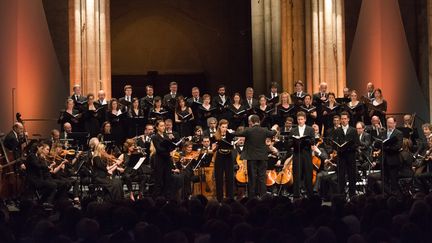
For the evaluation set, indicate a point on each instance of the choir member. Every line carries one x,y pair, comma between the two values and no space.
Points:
77,97
273,97
194,103
71,115
115,116
370,94
309,110
101,98
135,117
157,112
205,111
169,100
91,116
237,112
283,109
264,112
298,96
319,100
126,101
355,109
250,103
329,110
183,117
146,103
221,102
378,106
102,102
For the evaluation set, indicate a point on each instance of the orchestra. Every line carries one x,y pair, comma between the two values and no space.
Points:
276,143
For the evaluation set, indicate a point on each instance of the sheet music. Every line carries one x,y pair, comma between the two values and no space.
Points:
139,163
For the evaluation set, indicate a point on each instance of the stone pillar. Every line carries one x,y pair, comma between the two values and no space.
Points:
89,45
293,42
325,45
266,43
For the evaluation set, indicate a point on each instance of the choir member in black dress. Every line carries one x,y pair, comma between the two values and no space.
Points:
157,112
91,114
126,101
378,106
72,116
103,167
116,118
237,112
309,109
329,110
183,117
146,103
355,108
298,96
221,102
167,181
224,165
284,109
264,112
205,111
136,120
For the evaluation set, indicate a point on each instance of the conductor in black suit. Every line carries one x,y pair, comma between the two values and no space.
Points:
302,156
255,151
346,165
392,161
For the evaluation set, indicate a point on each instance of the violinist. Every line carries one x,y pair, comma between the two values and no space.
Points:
197,137
104,165
207,150
188,159
129,159
39,170
223,166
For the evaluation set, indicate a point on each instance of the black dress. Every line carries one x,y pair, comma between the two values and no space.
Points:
184,127
330,113
236,116
282,113
91,121
356,113
113,186
204,114
265,116
117,126
224,168
135,122
154,115
74,119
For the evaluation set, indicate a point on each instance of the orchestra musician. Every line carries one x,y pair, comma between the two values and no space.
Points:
103,167
15,140
172,135
211,127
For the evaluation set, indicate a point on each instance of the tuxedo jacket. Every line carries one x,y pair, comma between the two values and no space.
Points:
255,147
351,137
306,146
392,148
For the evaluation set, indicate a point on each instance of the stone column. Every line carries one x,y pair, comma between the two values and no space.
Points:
266,43
89,45
325,45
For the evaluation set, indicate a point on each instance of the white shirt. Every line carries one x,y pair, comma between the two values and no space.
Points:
103,102
345,129
389,132
301,130
273,95
222,98
173,95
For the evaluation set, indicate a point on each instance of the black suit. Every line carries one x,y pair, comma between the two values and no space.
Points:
255,151
125,104
392,159
302,160
221,107
13,143
365,149
254,102
169,101
346,155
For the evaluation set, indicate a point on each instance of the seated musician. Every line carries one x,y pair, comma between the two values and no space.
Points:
172,135
39,170
197,138
129,159
64,167
319,151
207,149
104,165
211,127
187,160
15,140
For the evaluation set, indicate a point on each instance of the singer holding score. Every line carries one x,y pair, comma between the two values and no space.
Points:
302,138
